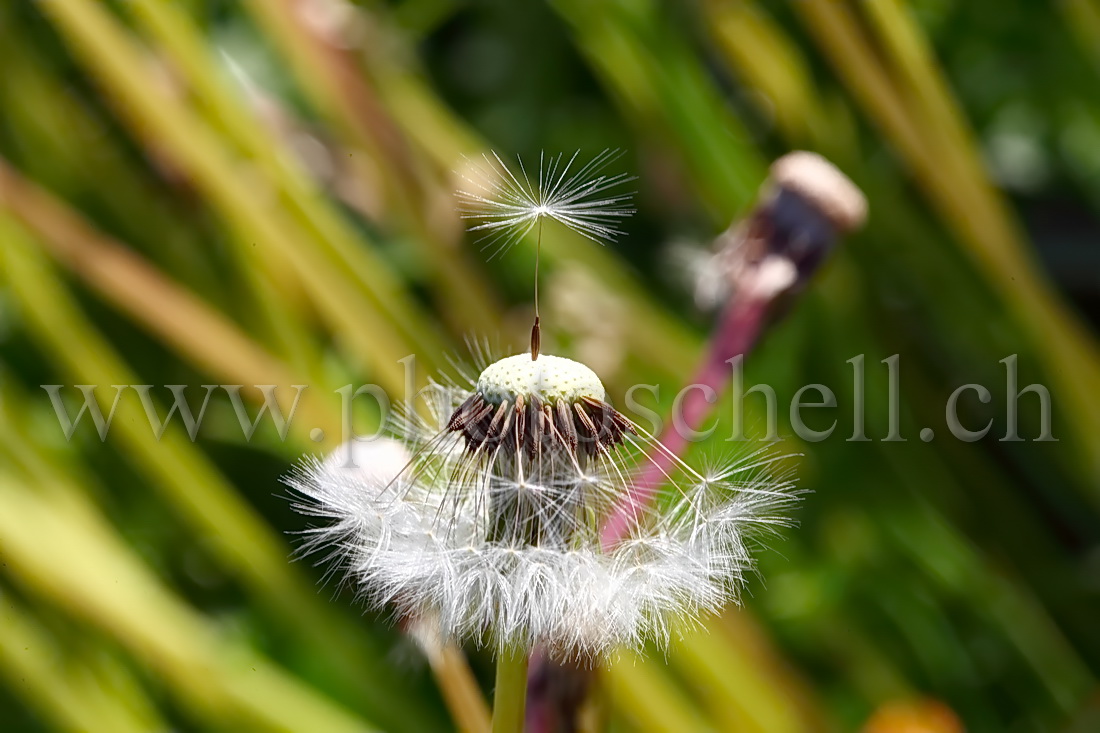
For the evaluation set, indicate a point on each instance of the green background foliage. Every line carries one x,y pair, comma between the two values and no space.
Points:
260,192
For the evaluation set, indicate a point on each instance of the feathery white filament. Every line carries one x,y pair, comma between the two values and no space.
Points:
509,204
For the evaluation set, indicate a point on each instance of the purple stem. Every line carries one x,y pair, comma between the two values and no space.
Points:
737,332
807,206
554,692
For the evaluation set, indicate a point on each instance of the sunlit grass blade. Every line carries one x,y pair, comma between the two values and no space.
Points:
962,194
1083,21
730,678
77,691
645,696
61,552
765,58
358,322
670,92
187,478
197,331
330,76
170,27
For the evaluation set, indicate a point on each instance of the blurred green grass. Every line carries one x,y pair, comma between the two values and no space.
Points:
260,193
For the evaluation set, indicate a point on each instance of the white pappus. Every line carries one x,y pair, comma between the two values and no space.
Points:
505,204
485,517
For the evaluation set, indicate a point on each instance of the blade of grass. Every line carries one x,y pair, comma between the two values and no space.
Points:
69,688
363,325
670,92
459,688
732,681
337,86
1083,21
187,478
170,27
74,152
963,195
56,549
58,323
194,329
767,59
338,92
1003,248
1009,604
646,697
968,546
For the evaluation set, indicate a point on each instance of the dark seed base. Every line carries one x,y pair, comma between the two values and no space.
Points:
588,425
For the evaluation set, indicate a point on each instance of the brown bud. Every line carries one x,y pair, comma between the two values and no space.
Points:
823,185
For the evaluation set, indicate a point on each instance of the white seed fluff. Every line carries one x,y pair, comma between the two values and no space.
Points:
505,204
502,547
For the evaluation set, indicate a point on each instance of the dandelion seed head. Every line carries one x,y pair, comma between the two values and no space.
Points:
491,528
548,378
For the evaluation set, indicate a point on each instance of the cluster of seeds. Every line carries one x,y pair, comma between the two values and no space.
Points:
490,525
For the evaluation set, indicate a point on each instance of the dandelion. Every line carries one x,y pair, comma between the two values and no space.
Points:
491,529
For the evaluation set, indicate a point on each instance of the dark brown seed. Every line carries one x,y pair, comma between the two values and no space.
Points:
587,426
464,413
525,424
521,421
535,427
499,423
625,425
478,428
565,425
548,420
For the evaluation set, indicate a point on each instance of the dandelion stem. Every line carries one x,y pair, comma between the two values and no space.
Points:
511,691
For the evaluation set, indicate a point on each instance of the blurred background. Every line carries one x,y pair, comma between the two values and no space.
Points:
261,192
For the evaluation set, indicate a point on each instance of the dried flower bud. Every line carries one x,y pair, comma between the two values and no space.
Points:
805,206
821,183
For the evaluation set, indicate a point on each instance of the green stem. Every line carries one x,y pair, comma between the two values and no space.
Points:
511,691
